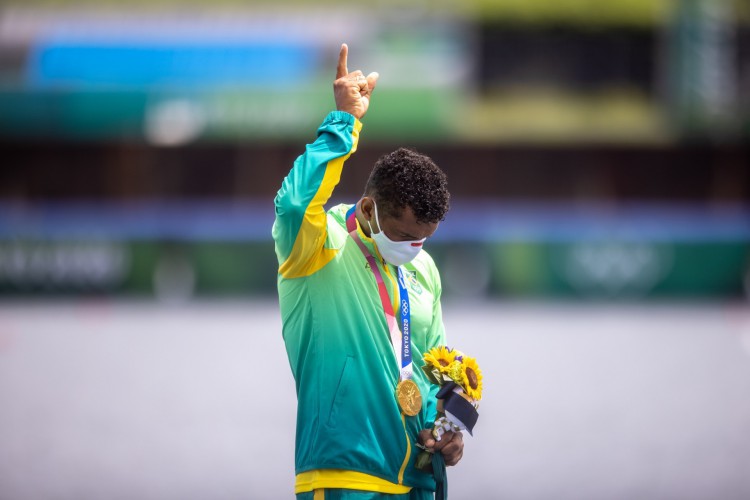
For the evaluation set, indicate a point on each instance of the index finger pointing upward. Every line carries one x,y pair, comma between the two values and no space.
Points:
341,69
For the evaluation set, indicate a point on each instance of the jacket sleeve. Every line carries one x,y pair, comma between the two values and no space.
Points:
299,230
435,338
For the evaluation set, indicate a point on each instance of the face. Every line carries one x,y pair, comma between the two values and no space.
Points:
402,228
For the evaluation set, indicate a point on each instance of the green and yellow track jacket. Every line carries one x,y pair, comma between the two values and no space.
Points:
350,431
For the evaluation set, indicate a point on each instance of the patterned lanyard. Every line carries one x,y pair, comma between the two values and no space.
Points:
400,339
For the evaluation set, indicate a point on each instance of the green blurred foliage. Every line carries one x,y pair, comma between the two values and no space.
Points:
576,12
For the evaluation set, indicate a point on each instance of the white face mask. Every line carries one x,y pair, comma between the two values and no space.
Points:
394,252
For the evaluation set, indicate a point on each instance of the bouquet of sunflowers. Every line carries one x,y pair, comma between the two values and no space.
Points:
460,381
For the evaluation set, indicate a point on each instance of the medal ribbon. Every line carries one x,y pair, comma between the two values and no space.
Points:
400,339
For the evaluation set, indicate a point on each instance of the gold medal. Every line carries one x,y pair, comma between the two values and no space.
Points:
409,398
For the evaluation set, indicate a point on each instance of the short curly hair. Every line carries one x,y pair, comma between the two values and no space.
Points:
408,178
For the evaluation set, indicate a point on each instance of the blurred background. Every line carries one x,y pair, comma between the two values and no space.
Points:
592,151
597,252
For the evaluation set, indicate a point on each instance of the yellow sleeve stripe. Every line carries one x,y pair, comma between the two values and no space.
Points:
345,479
308,254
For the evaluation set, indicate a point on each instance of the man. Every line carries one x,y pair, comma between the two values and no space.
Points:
358,296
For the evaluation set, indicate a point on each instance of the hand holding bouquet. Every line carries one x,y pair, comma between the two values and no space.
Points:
460,382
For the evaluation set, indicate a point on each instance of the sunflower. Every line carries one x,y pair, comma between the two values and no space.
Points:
440,357
471,378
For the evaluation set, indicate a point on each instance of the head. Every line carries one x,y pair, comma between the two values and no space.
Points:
411,195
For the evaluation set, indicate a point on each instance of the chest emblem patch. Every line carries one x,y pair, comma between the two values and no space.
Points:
411,278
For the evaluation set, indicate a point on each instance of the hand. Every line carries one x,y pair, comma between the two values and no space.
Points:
451,445
352,90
